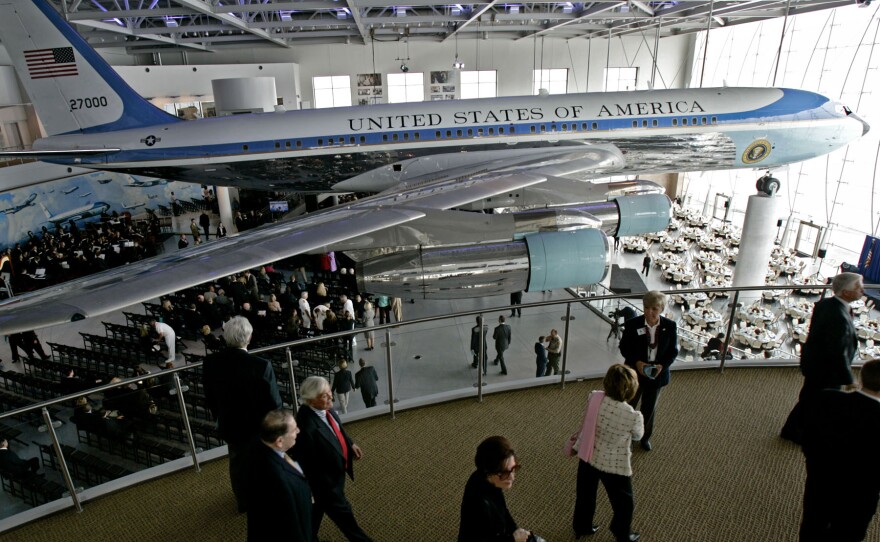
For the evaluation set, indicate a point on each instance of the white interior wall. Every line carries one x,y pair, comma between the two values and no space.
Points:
295,67
193,82
514,61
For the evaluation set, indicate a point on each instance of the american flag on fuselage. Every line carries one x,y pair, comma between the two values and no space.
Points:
44,63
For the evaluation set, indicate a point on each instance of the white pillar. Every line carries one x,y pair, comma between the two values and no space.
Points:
756,243
244,94
225,206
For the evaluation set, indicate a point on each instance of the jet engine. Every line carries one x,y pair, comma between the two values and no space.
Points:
540,261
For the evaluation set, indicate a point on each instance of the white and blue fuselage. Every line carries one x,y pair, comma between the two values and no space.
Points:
96,120
313,150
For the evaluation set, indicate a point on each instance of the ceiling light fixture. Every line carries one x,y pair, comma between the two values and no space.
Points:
457,64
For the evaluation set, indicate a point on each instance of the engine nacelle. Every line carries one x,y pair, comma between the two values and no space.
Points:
621,216
541,261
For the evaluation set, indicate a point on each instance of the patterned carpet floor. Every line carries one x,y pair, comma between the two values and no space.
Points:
718,472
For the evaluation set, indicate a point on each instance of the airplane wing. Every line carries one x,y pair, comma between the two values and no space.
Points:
148,279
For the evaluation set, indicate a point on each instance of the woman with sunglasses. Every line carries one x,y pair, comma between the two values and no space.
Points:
484,513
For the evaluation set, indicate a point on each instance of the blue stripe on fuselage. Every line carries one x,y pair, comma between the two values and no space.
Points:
792,104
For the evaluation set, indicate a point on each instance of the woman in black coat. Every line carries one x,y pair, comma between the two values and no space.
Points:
484,513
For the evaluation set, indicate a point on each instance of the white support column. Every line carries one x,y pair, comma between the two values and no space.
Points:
756,244
225,206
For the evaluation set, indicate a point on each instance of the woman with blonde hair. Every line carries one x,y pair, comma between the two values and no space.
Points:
369,322
603,449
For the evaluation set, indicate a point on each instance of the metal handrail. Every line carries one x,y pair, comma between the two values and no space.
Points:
380,327
387,328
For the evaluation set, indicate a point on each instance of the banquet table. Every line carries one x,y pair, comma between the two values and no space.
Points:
635,244
754,314
694,299
703,317
756,338
800,310
710,243
678,274
675,245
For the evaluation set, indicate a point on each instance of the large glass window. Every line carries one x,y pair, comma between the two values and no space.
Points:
554,80
479,84
332,91
406,87
620,79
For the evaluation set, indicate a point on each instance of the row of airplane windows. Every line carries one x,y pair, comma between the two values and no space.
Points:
480,132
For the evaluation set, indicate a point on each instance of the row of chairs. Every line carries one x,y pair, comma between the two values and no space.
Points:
84,467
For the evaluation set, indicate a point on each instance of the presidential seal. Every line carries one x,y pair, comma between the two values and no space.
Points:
756,151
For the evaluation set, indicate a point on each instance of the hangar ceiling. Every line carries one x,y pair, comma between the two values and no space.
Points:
162,25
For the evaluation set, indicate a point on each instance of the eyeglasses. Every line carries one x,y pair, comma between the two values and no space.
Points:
506,474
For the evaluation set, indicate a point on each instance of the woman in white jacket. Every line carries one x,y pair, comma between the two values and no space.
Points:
603,448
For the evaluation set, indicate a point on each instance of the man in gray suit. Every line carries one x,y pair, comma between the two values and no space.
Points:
827,355
502,342
365,380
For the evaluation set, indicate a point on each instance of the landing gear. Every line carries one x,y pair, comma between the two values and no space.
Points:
768,185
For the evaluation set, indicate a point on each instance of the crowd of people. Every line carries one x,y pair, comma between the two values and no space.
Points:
834,420
68,252
294,467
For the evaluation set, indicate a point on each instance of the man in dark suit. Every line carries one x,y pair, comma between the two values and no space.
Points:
516,299
478,343
650,345
326,454
365,380
280,506
840,498
11,464
501,334
828,353
239,389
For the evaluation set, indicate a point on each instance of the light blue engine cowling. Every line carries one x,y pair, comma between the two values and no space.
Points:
567,258
643,214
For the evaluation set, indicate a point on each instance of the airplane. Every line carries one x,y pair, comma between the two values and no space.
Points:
86,211
87,194
132,206
105,181
529,155
16,208
68,191
135,183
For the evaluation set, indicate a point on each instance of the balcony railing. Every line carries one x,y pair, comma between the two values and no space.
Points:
179,433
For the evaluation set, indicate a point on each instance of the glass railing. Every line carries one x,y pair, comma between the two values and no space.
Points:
154,424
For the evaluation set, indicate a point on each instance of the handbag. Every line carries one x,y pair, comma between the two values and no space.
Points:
581,442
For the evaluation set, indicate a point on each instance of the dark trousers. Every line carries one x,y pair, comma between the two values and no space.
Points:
620,493
338,509
541,366
476,362
793,429
499,358
368,401
385,315
238,473
648,393
834,508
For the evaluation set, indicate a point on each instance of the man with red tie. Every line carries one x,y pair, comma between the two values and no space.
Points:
326,454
